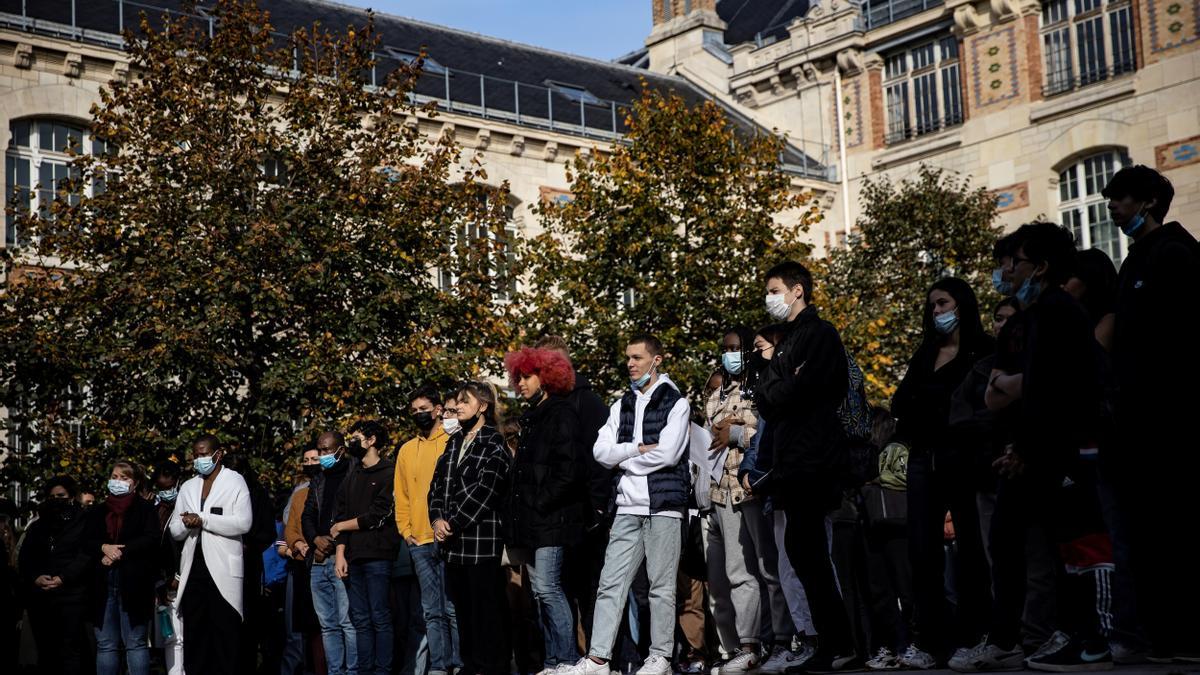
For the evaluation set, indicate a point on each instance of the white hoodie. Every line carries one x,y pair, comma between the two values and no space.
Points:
633,494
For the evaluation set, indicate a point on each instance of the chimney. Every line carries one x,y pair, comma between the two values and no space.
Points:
666,10
680,30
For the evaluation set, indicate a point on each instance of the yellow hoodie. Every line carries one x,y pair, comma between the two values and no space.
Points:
414,472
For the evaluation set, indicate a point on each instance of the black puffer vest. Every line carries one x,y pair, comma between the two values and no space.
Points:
669,486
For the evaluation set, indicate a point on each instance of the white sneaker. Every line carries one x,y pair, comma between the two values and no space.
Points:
918,659
781,659
744,661
655,665
985,657
562,668
884,659
1055,643
586,666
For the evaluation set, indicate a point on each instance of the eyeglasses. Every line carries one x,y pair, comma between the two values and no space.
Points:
449,412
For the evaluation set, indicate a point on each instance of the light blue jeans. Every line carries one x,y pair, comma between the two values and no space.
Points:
558,624
118,630
655,539
332,605
441,626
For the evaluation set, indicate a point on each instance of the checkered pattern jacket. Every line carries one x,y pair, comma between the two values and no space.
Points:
469,493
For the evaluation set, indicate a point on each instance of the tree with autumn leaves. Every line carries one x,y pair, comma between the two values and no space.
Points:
669,234
256,254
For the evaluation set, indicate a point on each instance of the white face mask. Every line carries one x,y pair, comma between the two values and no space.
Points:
777,307
450,424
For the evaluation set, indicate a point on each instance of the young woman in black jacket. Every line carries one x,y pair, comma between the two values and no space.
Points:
548,494
940,475
121,537
466,502
54,565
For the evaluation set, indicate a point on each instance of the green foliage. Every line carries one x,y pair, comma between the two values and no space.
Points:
682,219
199,292
911,234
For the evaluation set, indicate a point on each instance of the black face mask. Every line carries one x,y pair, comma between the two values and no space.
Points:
424,421
311,470
469,423
537,398
756,363
55,508
356,449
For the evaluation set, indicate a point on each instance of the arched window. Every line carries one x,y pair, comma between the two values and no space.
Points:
1082,207
37,160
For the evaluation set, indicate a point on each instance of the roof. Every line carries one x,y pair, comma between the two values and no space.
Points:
747,19
474,74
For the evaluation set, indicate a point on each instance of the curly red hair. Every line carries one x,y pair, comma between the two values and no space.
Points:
554,369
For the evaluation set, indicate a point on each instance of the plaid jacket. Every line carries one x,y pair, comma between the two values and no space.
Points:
470,495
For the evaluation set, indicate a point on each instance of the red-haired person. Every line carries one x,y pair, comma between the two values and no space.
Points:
548,496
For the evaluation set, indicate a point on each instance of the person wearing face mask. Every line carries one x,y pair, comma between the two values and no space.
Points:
646,436
415,465
547,497
212,512
56,568
735,530
121,535
1154,362
330,599
300,619
168,633
1045,391
940,475
799,396
367,542
466,504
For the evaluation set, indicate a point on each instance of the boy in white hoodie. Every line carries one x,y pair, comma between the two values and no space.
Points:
647,437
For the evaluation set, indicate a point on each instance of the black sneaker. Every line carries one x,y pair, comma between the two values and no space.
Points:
1076,656
829,663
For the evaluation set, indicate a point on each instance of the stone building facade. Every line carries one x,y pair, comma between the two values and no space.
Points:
1039,101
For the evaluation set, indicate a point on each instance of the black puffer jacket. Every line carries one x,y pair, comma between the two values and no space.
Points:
548,490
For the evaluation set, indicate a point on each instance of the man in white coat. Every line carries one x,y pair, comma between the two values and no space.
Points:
211,514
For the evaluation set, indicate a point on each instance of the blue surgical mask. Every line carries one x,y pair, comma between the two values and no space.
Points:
327,461
946,323
204,465
638,383
1029,292
118,488
732,362
1002,287
1135,223
167,495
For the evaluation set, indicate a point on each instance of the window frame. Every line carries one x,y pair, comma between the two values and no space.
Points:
922,88
1081,207
38,160
499,249
1085,42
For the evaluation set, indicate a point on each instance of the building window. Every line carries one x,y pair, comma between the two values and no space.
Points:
1084,210
38,160
922,89
574,92
1086,41
878,13
476,244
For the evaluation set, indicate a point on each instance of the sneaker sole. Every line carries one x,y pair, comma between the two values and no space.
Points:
1072,668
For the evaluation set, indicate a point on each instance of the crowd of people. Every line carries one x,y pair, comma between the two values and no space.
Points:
1019,504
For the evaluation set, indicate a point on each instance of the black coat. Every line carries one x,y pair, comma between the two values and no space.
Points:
547,499
592,414
799,394
366,495
54,547
137,570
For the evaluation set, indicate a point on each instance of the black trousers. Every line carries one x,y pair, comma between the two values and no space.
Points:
477,592
211,625
807,548
889,576
58,631
1068,514
935,486
583,564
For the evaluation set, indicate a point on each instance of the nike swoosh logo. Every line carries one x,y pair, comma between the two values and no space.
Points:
1092,658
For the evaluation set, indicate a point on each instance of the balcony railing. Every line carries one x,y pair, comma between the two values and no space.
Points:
1065,80
878,13
900,133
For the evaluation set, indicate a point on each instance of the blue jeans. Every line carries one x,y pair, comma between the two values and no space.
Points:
116,630
332,605
369,589
441,627
545,576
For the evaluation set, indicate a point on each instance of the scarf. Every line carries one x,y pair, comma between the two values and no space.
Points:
115,518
